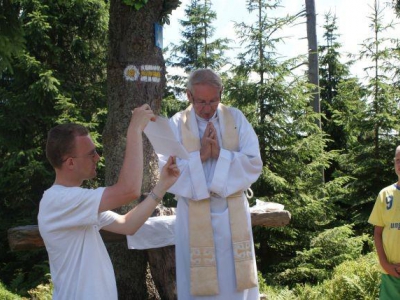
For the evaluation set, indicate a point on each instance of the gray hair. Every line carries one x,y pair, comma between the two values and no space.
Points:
204,76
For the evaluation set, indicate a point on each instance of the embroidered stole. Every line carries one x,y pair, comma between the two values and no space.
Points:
203,266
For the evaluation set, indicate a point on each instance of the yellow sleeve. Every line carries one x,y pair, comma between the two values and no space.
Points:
376,215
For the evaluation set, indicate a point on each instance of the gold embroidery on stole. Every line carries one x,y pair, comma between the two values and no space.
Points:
203,266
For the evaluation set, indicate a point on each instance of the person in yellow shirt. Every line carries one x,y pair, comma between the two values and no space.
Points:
385,216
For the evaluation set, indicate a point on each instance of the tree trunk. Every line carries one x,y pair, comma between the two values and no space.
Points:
162,264
136,75
313,65
313,76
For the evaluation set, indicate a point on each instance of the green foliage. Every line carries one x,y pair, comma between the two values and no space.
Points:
278,293
170,106
60,77
53,70
357,279
7,295
11,35
136,4
369,119
197,49
327,250
333,74
277,103
34,273
42,291
168,7
396,6
262,285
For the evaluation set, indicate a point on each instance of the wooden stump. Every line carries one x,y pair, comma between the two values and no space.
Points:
28,237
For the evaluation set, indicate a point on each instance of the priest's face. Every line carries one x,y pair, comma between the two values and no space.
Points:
205,99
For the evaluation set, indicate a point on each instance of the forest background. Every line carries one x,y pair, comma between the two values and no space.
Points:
326,168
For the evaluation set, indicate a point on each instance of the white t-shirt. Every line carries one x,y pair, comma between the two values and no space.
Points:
69,224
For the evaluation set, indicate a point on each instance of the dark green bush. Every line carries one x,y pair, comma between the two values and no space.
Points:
327,250
352,280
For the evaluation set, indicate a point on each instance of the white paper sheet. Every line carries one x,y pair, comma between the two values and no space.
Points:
163,139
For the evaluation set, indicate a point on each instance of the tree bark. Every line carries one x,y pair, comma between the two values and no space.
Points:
163,271
136,75
313,74
313,64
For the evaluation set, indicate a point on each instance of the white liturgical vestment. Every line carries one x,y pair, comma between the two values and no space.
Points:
215,179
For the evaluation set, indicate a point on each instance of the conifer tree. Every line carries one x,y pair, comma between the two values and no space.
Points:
198,48
59,77
277,102
333,73
11,34
374,130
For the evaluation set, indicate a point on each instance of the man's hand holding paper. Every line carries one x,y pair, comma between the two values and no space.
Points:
163,139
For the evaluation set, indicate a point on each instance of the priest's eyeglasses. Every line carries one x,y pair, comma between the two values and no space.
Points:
202,104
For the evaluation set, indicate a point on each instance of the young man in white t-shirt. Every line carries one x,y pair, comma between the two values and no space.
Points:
70,217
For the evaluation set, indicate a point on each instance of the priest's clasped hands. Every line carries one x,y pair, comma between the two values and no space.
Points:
209,143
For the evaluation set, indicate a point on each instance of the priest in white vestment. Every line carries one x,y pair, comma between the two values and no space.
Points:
215,256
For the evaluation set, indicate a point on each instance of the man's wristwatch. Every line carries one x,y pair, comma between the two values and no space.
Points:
155,197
